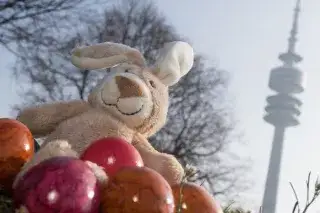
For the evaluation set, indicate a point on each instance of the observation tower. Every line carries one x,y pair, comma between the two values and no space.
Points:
282,110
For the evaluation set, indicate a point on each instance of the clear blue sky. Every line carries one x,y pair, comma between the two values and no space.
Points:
245,37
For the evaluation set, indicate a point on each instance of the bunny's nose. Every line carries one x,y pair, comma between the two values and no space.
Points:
128,88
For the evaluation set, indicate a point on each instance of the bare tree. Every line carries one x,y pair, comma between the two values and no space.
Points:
199,128
32,21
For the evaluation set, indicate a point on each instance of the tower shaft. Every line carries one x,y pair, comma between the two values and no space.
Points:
272,183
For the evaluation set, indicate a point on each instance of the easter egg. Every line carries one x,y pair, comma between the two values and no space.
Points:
190,198
16,148
139,190
112,154
58,184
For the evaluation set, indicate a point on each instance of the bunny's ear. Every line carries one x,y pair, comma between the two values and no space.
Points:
105,55
175,60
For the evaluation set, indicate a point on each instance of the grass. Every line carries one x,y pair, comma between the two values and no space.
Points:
6,205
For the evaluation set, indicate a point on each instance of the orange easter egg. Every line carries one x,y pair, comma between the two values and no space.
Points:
190,198
16,148
139,190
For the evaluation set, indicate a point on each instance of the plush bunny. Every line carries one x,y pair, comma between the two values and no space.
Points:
130,102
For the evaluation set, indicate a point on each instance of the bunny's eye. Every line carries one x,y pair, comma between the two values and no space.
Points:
126,70
152,84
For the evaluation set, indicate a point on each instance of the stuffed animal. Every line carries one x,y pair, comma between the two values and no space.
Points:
130,102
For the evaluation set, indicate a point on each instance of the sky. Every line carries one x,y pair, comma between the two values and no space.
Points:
245,37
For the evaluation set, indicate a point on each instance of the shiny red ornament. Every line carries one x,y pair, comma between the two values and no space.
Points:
138,190
112,154
59,184
16,148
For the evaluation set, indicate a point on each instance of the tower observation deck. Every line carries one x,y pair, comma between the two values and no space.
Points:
282,110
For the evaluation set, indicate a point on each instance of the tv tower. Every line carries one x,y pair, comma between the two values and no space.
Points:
282,110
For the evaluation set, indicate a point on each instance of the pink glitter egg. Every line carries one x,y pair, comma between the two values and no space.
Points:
112,154
59,184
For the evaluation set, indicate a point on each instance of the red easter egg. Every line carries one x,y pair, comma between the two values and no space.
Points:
58,184
112,154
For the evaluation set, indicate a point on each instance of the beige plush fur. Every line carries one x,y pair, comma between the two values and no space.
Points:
130,102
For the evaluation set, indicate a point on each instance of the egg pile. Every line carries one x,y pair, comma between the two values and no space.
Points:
69,185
